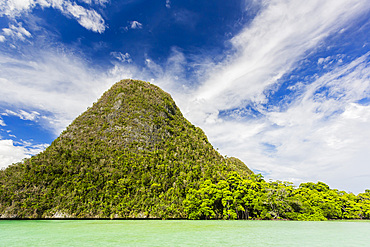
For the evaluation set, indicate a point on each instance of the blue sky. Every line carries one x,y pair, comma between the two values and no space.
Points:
283,85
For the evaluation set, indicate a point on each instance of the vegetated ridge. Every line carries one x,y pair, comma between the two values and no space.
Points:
131,155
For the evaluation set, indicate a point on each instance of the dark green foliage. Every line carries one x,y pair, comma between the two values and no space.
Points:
253,198
132,154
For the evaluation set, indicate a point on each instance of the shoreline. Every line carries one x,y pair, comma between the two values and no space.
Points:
157,219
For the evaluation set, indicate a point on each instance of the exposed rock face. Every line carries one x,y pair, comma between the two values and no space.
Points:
132,154
131,114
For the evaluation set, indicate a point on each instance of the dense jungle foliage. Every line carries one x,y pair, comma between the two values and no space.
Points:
254,198
132,154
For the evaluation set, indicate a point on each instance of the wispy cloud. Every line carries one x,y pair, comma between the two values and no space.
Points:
122,57
97,2
136,25
171,75
88,18
2,123
24,115
270,46
186,18
168,4
16,31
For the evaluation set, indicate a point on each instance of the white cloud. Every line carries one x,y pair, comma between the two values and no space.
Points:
101,2
86,1
154,68
14,7
168,4
136,25
323,60
122,57
88,18
11,153
16,32
97,2
170,76
2,123
132,25
24,115
271,45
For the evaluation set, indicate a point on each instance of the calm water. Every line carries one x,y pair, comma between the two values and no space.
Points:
183,233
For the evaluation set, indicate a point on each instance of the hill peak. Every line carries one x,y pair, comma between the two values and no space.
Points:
132,154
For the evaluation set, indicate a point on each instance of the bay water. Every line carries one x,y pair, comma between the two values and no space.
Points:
182,233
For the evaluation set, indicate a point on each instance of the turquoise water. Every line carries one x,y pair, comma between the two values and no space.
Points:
183,233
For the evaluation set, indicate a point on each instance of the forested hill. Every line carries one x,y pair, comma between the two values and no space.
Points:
131,155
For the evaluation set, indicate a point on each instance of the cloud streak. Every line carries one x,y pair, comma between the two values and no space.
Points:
15,32
88,18
278,37
123,57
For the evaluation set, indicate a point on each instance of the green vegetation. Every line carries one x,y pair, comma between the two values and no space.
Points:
253,198
133,155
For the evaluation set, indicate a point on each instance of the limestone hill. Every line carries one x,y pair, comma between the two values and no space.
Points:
131,155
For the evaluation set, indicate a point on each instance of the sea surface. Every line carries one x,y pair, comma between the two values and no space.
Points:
182,233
